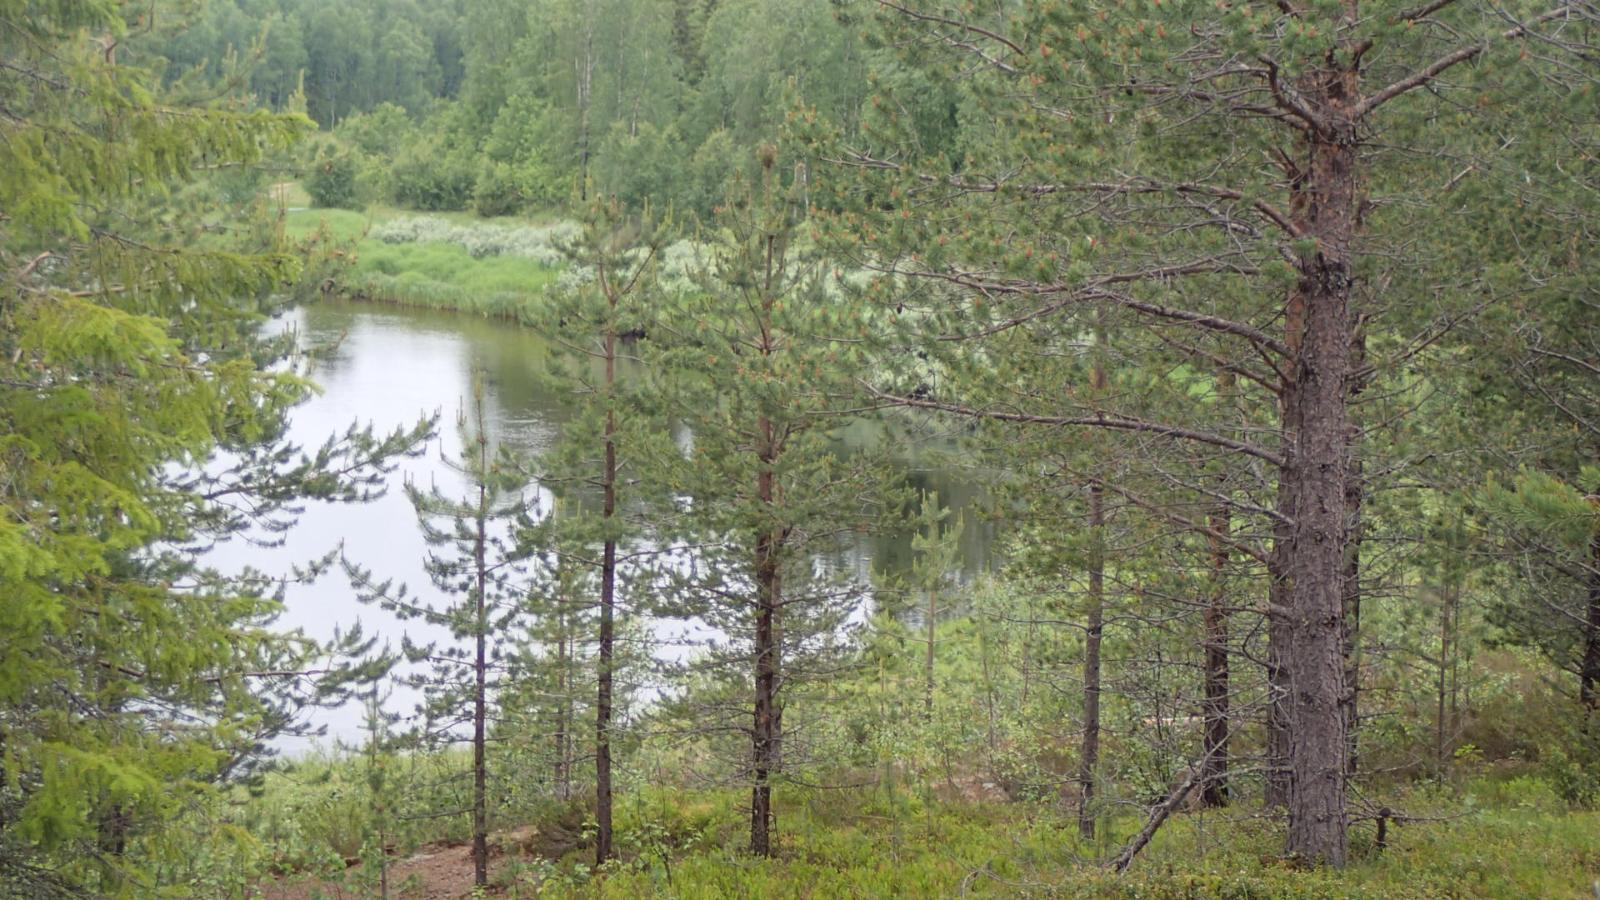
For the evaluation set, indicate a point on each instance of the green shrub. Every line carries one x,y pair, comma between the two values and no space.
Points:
382,131
1573,770
429,176
714,165
331,182
641,165
522,132
496,192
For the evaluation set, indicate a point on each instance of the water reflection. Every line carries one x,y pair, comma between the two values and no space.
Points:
388,366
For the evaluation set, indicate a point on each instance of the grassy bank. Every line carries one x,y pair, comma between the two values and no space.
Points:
436,274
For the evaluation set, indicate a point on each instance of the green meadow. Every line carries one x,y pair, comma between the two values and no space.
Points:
428,273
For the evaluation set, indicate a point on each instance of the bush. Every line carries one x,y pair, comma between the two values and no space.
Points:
713,168
430,176
522,132
332,180
379,132
1573,769
496,192
438,168
640,166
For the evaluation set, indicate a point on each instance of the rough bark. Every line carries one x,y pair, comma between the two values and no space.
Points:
1089,759
1318,473
608,596
1447,651
603,702
766,734
762,819
1214,707
932,616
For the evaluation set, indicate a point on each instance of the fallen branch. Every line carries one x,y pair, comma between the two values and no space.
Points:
1159,814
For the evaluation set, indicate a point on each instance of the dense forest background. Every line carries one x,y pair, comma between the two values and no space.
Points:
1264,341
510,108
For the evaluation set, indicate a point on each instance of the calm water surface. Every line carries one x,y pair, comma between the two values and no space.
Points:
392,365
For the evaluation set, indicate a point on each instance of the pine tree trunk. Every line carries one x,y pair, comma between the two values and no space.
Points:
1589,671
1447,650
932,618
602,731
766,732
764,735
1280,777
564,709
1354,490
1318,473
608,596
1214,769
480,812
1089,759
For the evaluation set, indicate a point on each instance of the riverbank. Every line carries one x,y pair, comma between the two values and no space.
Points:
459,262
431,261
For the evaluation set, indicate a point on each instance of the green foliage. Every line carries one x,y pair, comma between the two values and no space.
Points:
331,179
429,175
640,164
1019,187
437,170
841,846
1549,529
380,132
657,101
497,191
145,417
346,60
521,145
718,161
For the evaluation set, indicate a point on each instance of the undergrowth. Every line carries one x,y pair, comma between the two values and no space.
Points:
1481,836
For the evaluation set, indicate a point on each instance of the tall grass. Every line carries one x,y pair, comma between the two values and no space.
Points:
434,275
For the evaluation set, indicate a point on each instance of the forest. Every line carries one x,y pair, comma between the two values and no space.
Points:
810,449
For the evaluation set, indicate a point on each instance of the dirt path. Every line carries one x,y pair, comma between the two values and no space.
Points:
435,872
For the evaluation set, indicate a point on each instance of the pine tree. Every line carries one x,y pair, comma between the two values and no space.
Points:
594,328
1192,174
480,569
762,381
142,422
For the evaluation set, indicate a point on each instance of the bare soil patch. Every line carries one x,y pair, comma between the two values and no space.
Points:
434,872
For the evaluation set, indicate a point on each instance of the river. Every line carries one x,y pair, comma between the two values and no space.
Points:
390,365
